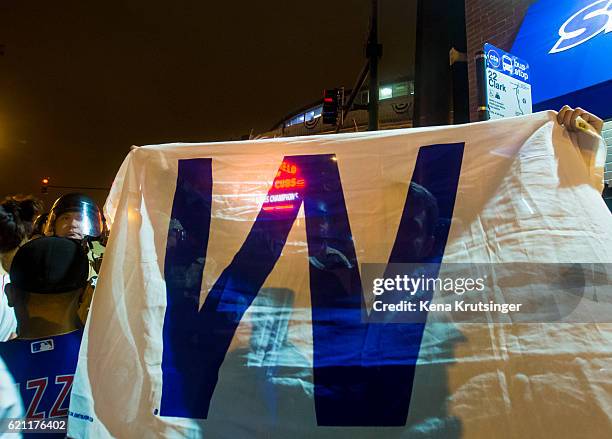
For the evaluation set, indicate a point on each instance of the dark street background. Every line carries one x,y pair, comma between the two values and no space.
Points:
81,81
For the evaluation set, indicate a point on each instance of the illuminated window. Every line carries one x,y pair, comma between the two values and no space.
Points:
386,93
313,114
400,89
296,120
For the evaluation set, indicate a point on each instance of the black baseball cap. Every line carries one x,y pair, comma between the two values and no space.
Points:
50,265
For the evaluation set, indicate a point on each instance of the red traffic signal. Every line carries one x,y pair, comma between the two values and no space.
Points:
330,106
44,185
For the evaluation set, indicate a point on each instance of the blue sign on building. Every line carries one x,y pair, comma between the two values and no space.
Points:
568,44
508,84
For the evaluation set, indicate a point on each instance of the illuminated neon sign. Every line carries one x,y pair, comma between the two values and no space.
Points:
288,168
288,183
287,177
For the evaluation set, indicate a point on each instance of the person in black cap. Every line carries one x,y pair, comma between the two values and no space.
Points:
48,276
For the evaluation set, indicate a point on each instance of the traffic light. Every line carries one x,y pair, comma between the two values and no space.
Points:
44,186
330,106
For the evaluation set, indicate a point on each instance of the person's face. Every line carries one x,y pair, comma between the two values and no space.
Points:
69,225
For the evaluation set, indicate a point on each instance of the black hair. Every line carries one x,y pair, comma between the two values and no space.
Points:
17,212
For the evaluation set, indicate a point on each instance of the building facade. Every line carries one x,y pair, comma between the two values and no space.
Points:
567,44
396,100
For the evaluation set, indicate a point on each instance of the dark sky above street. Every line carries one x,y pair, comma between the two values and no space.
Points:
82,81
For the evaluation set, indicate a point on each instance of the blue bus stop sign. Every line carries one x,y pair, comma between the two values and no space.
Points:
508,84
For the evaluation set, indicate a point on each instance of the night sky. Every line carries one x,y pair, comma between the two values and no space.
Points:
81,81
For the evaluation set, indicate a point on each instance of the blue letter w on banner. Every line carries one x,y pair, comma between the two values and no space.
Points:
355,381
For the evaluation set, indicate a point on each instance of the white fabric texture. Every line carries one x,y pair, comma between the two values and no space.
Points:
8,321
525,194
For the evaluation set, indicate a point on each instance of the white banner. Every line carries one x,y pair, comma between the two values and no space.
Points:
228,305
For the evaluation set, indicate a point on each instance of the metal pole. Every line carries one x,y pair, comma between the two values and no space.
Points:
373,52
483,112
349,105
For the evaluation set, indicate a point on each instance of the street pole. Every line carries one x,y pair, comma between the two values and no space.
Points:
373,53
481,85
350,105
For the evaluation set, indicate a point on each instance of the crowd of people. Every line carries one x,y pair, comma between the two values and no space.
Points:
50,263
49,266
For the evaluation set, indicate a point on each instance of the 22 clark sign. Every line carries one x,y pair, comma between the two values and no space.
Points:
196,340
585,24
